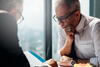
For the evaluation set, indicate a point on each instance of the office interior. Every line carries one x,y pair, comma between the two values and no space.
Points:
39,33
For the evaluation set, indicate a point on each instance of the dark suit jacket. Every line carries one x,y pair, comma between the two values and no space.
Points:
11,55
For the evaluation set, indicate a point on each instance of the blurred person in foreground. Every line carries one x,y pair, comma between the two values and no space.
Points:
78,33
11,54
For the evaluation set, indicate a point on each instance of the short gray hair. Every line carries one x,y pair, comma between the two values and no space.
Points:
9,4
71,4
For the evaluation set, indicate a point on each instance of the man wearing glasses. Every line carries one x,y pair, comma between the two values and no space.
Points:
82,30
11,54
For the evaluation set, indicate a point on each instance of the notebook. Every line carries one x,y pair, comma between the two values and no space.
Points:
34,59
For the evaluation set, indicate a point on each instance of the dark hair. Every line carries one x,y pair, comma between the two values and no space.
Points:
9,4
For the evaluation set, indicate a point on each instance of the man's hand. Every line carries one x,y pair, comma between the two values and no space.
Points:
65,61
69,32
52,63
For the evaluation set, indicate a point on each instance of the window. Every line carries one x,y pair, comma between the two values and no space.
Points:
54,34
31,30
85,8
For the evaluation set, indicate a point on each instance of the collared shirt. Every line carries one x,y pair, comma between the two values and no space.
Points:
87,40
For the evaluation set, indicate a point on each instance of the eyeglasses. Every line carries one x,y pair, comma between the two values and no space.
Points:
65,17
21,17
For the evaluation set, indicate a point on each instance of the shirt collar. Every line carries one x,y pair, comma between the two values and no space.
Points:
81,24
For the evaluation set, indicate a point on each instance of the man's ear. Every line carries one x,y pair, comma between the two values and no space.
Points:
77,15
15,13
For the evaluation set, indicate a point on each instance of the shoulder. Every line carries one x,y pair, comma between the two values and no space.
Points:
6,16
95,26
7,19
7,23
91,21
95,22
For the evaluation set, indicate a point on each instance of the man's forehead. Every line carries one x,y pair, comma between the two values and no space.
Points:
62,10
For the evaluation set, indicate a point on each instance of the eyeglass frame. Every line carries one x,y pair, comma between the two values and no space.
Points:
64,17
21,16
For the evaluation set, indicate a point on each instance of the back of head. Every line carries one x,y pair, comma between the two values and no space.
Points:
9,4
71,4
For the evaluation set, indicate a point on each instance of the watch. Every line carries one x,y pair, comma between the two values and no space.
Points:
73,62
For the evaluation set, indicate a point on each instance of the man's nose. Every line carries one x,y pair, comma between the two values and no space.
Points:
61,23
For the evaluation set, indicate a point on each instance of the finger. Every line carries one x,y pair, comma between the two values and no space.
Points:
64,64
69,28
